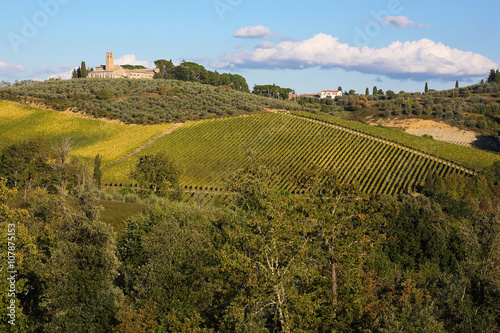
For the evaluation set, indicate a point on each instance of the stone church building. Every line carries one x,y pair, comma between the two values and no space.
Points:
112,71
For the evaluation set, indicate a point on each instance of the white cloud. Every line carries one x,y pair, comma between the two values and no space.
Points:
266,45
413,60
401,22
9,70
63,74
130,59
53,72
258,31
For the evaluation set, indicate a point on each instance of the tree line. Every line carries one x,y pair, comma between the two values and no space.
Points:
190,71
272,91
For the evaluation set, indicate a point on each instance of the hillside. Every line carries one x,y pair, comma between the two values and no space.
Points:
470,157
380,160
475,107
89,136
207,151
142,101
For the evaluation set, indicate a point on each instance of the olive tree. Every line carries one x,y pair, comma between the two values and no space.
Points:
156,172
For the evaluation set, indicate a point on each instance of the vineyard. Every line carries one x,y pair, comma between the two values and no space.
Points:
380,160
208,151
469,157
89,136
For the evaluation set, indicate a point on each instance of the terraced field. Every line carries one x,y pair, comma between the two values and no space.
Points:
207,151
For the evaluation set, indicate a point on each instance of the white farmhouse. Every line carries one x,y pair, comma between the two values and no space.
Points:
330,93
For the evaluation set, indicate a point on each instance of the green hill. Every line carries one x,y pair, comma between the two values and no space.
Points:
142,101
207,151
89,136
469,157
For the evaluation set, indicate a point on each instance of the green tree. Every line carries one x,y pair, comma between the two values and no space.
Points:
81,296
183,73
26,164
267,255
472,297
104,95
156,172
61,163
367,91
83,70
165,67
375,91
456,84
21,255
272,91
295,262
390,94
426,89
97,169
493,76
172,249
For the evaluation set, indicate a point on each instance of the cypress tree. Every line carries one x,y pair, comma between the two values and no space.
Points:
97,169
83,70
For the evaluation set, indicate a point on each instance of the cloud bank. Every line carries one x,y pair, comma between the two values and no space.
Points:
130,59
401,22
63,72
258,31
416,60
8,70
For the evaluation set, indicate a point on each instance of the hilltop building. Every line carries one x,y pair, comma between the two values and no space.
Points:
330,93
324,94
112,71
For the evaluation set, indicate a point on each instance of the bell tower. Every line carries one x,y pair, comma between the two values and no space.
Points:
109,61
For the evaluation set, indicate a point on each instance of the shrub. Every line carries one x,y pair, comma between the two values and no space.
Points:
104,95
133,198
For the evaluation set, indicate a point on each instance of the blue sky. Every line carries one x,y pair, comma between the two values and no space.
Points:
309,46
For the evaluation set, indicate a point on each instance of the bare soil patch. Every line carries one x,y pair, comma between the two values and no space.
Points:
438,130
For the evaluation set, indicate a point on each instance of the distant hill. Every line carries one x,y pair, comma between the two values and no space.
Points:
475,107
142,101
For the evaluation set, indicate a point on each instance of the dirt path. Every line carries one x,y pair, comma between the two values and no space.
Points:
415,151
145,145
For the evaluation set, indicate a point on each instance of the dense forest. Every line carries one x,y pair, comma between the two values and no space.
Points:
330,259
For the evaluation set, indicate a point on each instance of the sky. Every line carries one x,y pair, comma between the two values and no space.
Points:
308,46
